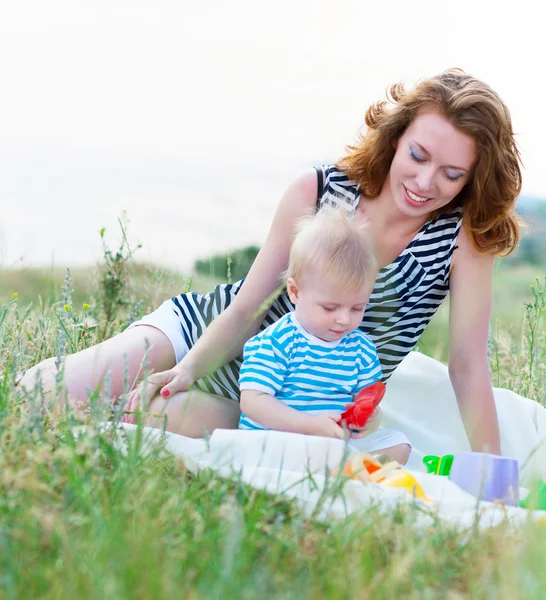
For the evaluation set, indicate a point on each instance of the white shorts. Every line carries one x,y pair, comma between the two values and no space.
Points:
380,439
166,320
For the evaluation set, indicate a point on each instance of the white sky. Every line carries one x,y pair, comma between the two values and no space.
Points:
194,116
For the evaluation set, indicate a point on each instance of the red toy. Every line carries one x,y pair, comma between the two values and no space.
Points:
366,402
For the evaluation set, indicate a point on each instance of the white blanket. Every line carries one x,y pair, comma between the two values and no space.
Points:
420,402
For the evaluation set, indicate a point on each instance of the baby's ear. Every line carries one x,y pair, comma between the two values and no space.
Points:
292,289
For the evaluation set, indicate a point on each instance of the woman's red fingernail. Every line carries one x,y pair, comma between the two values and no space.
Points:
165,393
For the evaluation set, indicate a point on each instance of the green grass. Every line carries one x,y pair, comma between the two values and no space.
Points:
79,518
512,291
149,282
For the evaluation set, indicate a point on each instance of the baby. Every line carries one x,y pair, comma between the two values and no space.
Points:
300,373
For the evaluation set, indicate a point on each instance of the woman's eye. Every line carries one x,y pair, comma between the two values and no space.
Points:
453,177
415,156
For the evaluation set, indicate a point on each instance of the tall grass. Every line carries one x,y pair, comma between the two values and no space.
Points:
517,339
81,518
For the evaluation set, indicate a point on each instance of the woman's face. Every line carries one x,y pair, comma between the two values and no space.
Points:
432,163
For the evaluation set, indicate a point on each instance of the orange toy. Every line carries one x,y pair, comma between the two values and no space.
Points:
367,468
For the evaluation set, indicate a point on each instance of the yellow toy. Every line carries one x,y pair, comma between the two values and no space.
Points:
402,479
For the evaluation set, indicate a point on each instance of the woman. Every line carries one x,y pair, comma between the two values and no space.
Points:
437,174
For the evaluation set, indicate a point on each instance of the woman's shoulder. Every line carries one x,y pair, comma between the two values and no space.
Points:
335,185
334,174
454,214
443,226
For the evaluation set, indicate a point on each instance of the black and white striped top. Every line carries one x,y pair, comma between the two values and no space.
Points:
405,297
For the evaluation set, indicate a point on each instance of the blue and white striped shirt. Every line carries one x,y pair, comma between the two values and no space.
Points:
305,372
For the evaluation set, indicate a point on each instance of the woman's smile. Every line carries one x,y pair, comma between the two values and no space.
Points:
414,199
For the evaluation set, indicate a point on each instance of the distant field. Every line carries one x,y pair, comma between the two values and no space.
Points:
153,285
149,283
511,290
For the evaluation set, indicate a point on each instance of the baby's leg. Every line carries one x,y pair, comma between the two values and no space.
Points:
399,453
192,413
127,352
385,441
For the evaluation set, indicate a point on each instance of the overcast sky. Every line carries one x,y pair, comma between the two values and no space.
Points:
194,116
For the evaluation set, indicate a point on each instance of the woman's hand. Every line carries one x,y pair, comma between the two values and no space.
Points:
177,379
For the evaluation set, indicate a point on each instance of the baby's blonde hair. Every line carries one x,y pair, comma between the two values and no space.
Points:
337,246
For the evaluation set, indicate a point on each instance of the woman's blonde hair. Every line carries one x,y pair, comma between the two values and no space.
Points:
489,198
333,245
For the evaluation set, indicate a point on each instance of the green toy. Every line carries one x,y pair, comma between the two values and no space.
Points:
438,465
537,496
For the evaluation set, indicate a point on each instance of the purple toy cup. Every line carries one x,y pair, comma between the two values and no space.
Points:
487,476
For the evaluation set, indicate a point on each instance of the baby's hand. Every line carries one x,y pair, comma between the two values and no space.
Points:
325,425
373,423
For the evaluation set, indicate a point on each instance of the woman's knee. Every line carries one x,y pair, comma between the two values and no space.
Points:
41,376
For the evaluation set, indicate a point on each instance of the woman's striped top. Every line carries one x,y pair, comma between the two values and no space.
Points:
405,297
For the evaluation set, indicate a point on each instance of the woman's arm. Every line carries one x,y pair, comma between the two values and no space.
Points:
471,288
223,340
270,412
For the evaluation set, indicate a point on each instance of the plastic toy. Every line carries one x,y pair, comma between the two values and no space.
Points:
438,465
402,479
368,469
487,476
366,402
537,496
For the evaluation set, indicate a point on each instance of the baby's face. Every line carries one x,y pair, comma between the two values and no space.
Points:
324,310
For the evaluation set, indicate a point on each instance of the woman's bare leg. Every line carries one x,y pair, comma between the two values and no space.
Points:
193,413
131,352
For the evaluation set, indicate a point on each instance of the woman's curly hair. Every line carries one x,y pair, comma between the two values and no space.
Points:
489,198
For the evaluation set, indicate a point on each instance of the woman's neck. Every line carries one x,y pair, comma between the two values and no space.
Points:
391,230
385,216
